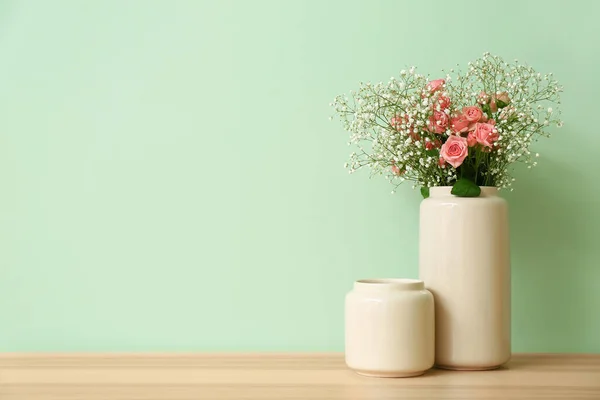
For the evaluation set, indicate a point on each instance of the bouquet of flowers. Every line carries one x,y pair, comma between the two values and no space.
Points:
463,131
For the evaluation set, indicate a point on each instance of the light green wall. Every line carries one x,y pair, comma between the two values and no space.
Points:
170,180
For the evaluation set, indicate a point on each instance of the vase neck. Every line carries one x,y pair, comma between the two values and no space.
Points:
379,285
444,191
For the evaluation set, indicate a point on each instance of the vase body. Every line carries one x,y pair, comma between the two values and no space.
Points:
464,261
389,328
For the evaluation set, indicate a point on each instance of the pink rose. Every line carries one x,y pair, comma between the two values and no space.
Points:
455,150
473,114
435,85
471,139
443,102
486,134
459,124
438,122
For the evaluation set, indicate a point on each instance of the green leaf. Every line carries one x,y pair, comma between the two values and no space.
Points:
425,192
465,188
432,152
501,104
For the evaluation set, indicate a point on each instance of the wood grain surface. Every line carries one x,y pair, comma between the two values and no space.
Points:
282,377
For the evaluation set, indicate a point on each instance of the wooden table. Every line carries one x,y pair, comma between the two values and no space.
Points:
282,377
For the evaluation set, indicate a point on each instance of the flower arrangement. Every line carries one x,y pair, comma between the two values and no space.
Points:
463,131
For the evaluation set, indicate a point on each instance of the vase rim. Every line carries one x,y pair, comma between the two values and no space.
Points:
437,191
387,284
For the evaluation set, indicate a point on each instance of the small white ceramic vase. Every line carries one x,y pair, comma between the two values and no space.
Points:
464,261
389,328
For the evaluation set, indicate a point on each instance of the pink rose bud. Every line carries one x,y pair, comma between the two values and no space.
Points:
499,97
442,162
435,85
396,170
455,150
438,122
503,97
443,102
493,106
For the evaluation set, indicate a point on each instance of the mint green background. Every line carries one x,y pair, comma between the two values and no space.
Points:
170,180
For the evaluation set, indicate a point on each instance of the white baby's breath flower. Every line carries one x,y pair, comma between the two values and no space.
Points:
367,114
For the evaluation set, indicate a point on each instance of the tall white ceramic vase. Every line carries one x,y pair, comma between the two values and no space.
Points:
464,261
